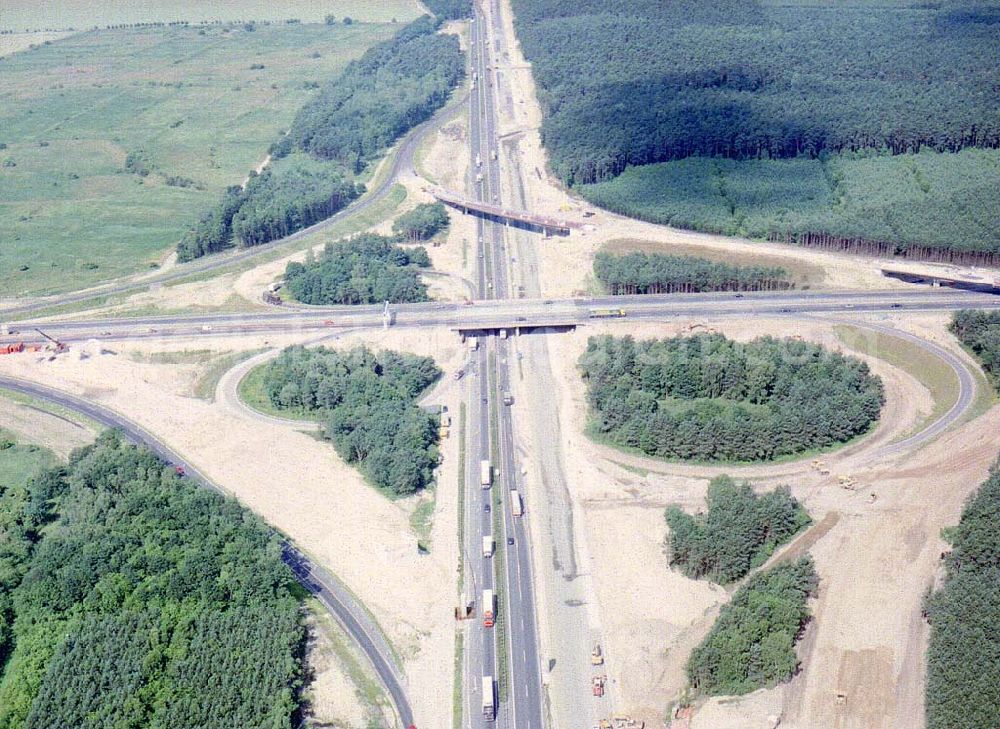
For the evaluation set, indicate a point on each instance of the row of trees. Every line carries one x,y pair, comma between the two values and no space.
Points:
980,332
366,269
393,87
369,403
657,273
709,398
422,223
149,602
389,90
739,531
963,657
752,643
635,83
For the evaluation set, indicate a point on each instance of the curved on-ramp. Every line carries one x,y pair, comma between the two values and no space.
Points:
340,603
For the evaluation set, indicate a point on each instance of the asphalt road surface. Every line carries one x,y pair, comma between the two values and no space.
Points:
333,596
523,314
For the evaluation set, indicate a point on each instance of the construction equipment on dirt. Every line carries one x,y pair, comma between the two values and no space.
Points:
847,482
55,345
820,467
596,657
597,685
12,348
621,722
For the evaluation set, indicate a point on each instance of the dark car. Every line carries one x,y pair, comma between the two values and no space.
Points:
486,507
510,540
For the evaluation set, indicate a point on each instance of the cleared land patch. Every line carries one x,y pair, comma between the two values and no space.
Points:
118,140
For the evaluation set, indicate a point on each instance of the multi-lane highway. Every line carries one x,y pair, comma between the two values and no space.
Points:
508,652
524,314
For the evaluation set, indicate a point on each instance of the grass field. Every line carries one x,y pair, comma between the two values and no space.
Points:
23,15
117,140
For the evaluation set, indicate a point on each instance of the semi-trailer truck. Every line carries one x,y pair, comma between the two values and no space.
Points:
489,603
489,707
515,502
485,474
487,547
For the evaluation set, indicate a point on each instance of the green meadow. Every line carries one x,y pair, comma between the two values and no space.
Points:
116,141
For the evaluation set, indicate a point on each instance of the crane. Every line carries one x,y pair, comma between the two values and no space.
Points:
56,344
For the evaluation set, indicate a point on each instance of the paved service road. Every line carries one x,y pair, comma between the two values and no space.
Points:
334,597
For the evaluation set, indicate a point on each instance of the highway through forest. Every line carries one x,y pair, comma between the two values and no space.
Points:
336,598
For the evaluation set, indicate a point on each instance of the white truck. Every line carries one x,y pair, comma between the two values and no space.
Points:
489,709
473,343
515,502
487,547
485,474
489,606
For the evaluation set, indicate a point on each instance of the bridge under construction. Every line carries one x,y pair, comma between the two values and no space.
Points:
507,216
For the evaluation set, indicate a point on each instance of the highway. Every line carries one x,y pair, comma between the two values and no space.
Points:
508,652
324,586
523,314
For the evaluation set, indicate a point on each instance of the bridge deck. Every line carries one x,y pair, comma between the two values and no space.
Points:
520,216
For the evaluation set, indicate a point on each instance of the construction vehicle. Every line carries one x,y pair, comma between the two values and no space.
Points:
847,482
606,313
12,348
489,605
517,508
489,707
485,474
487,547
55,345
597,685
596,657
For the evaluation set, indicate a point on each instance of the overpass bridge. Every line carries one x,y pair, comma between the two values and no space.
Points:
506,216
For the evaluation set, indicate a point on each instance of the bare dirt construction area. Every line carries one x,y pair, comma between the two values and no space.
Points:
876,547
299,485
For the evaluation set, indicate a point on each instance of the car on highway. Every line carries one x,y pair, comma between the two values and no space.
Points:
510,540
896,305
486,507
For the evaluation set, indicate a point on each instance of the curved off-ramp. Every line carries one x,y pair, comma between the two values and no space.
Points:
336,598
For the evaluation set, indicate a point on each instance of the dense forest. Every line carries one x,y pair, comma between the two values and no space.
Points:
422,223
627,84
369,402
739,531
752,643
658,273
389,90
366,269
139,599
980,332
708,398
963,657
